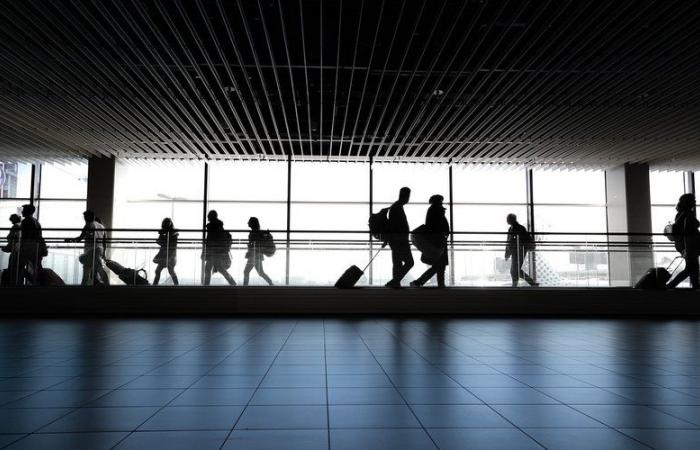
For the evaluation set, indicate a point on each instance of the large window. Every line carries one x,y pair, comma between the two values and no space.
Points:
482,200
570,201
332,197
62,196
664,190
242,189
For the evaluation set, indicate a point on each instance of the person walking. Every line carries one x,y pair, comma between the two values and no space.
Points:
32,247
687,241
254,255
93,236
11,274
438,230
216,247
167,254
397,229
519,241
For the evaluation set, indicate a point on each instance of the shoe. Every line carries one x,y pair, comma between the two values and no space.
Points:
415,283
393,285
535,285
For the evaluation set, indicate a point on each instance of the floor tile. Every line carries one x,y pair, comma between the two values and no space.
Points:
16,421
294,381
283,417
438,396
583,439
69,441
173,440
372,416
632,416
688,413
586,396
666,439
277,440
227,382
364,396
485,439
193,418
545,416
348,381
56,399
459,416
480,380
213,397
136,397
287,396
101,419
378,439
512,396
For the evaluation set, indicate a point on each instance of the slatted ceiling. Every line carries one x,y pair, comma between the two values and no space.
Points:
501,82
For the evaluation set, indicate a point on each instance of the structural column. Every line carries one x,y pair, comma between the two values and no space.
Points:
628,211
100,188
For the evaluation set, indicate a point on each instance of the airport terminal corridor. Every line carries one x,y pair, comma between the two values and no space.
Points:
381,383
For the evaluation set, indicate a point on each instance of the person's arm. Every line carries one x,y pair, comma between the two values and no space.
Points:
83,234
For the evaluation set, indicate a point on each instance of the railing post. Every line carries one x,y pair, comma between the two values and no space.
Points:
289,216
205,207
531,220
452,229
370,274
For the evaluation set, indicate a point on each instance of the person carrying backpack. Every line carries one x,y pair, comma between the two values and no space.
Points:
519,242
397,237
93,236
687,241
216,250
438,230
32,246
255,254
10,275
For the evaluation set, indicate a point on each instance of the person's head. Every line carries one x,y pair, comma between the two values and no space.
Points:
254,223
686,202
15,218
28,210
436,199
98,220
213,215
89,216
404,195
167,224
512,219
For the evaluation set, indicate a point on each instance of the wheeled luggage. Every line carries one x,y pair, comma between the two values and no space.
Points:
350,277
657,277
129,276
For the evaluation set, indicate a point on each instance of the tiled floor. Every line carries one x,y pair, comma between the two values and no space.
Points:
349,384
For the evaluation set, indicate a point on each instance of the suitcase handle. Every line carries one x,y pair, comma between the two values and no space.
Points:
671,264
372,259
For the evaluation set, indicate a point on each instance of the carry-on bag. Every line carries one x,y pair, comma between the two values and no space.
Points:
48,277
350,277
129,276
657,277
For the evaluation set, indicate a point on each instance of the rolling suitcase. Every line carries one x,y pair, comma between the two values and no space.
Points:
48,277
657,277
351,276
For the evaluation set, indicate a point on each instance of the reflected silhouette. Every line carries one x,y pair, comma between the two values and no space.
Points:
398,230
216,250
256,242
93,235
435,233
687,241
519,242
9,275
167,254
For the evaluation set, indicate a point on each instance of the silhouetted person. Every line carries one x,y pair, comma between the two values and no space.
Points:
93,236
101,272
32,247
254,255
439,229
518,241
216,247
685,230
167,255
398,230
12,247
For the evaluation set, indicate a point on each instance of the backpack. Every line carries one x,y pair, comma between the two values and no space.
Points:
227,239
379,224
668,232
267,244
529,240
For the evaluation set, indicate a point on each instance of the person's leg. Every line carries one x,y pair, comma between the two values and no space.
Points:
261,272
395,263
246,272
693,268
514,270
156,278
227,276
208,267
524,274
440,270
173,275
406,260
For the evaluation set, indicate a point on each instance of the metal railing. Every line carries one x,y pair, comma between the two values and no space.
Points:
319,257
